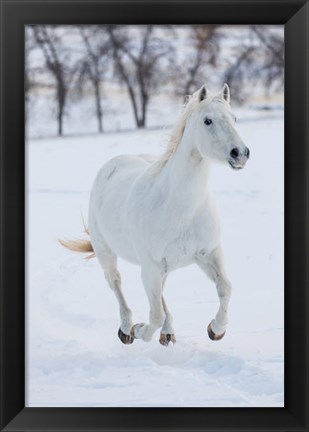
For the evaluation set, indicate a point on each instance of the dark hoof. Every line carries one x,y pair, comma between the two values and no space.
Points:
126,339
165,339
212,335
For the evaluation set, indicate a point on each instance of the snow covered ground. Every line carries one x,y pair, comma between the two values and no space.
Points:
74,357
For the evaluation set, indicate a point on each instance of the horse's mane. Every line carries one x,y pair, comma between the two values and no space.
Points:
175,137
191,104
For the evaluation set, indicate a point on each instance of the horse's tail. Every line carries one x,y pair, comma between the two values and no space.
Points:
83,246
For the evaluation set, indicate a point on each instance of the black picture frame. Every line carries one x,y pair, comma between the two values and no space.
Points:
15,14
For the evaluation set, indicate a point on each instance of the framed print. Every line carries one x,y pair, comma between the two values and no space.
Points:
85,83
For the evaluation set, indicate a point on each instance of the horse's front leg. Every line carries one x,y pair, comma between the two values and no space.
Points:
213,265
153,282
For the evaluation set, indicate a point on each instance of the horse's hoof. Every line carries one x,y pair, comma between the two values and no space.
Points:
126,339
135,327
165,339
212,335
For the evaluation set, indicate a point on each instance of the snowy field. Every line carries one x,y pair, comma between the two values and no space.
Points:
74,357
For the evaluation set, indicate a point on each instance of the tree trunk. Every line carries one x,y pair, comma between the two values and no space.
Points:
98,105
144,111
60,121
61,104
140,123
134,105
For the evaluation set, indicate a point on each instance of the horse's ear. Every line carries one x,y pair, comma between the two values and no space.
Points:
225,93
202,93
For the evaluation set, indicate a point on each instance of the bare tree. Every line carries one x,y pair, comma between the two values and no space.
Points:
29,80
204,49
273,65
239,70
56,63
93,65
139,56
259,58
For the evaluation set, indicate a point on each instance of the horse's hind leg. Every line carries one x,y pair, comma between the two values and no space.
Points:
213,266
109,263
113,278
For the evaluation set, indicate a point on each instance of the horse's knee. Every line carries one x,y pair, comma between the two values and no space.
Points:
225,289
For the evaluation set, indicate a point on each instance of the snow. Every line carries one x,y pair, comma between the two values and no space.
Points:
74,357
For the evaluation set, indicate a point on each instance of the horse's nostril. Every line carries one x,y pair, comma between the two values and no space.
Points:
234,153
247,153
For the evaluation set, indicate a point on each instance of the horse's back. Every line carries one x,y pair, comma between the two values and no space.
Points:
117,175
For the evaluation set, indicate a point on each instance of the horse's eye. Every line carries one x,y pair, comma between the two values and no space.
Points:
207,121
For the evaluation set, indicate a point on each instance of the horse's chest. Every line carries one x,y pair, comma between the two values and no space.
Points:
177,246
177,250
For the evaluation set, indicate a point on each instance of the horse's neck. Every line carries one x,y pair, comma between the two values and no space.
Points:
186,173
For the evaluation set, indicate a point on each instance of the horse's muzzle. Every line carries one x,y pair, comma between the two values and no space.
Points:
238,159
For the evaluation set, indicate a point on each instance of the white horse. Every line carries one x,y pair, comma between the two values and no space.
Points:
158,212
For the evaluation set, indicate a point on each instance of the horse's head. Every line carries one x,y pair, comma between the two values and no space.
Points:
214,123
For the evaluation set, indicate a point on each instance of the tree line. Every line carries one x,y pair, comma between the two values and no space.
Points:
145,59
